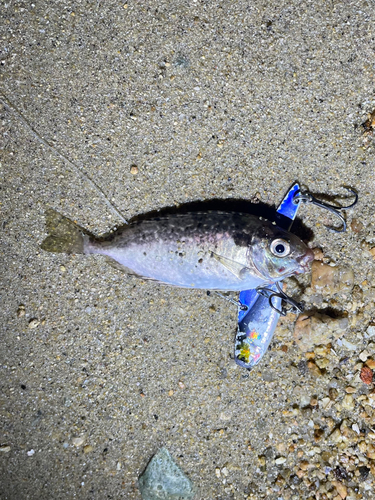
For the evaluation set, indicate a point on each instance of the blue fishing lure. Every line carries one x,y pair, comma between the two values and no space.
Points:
257,319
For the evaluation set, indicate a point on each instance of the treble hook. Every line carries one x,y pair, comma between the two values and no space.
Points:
270,294
307,197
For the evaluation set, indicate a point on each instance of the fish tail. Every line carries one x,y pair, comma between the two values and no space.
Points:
64,236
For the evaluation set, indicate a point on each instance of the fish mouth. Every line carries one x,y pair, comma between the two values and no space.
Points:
305,262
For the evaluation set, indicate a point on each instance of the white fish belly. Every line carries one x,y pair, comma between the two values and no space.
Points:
185,264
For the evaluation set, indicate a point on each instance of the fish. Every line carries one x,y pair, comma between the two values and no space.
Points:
215,250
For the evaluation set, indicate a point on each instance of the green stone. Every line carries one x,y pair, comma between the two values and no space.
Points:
164,480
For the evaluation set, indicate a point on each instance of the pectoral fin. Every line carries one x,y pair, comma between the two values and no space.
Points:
239,270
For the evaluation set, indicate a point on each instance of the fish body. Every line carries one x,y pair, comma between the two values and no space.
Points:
205,250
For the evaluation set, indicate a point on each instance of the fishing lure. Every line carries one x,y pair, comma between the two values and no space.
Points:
258,315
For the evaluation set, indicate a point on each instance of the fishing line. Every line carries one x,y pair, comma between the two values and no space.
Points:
78,169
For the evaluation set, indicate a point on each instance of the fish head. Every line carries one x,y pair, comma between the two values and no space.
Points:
277,254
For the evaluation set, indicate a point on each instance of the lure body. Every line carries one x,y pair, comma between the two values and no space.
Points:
209,250
255,331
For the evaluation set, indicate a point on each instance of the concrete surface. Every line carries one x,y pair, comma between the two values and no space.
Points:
221,99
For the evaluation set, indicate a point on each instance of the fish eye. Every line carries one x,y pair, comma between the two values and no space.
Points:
280,248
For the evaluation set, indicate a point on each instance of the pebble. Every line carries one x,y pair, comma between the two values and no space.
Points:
314,369
78,441
356,428
313,329
364,355
349,345
21,311
326,403
34,323
370,363
134,170
163,479
30,453
280,460
225,471
318,254
370,332
341,489
331,279
348,402
356,226
87,449
366,375
5,449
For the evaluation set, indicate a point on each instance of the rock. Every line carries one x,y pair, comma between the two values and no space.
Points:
364,355
348,402
370,451
78,441
134,170
4,449
313,329
21,311
87,449
336,437
356,226
370,363
262,460
318,253
366,375
34,323
349,345
370,332
363,472
322,363
341,489
333,393
331,279
314,369
326,403
356,428
164,480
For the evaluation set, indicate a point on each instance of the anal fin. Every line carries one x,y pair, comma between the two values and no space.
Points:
119,267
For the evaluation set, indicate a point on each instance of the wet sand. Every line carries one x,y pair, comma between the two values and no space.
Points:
208,100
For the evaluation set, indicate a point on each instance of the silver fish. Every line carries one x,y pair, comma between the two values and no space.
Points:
208,250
